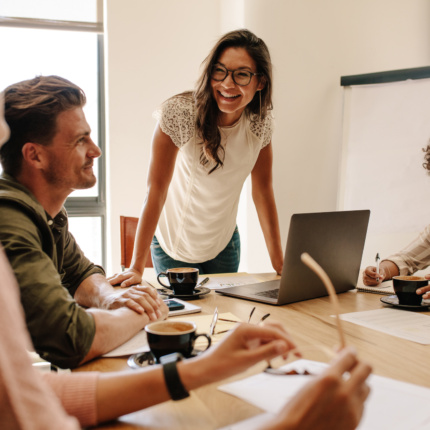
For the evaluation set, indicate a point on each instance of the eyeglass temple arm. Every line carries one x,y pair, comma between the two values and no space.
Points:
314,266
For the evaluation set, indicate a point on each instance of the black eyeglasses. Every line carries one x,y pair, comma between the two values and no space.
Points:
240,77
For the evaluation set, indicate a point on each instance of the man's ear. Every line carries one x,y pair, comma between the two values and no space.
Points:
31,152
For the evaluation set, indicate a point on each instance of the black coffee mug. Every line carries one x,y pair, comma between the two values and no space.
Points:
167,337
406,288
182,280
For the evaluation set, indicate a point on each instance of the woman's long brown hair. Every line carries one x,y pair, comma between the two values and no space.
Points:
206,106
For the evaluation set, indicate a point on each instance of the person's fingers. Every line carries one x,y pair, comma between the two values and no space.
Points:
370,276
148,290
149,293
144,301
370,271
267,351
345,361
423,290
255,335
130,281
133,305
116,279
358,375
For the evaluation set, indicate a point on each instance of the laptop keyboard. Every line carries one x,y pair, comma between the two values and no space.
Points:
272,294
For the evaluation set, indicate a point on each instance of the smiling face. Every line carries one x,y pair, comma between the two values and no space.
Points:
231,98
69,159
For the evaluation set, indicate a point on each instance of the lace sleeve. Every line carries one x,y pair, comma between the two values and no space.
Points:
263,129
176,118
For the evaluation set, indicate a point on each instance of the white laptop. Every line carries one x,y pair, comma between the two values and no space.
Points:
335,240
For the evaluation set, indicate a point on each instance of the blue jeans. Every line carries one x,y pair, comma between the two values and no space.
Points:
227,261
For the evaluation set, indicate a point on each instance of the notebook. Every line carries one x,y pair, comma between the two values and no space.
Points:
335,240
383,288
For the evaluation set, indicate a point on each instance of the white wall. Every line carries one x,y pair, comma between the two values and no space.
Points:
312,43
154,50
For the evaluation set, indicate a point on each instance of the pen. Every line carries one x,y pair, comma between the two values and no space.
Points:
377,260
250,315
203,282
263,318
214,321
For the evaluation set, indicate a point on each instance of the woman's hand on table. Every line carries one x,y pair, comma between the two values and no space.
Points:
126,279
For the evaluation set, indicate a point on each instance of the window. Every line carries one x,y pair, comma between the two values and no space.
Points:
33,44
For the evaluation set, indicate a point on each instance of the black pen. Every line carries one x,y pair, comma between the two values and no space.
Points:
263,318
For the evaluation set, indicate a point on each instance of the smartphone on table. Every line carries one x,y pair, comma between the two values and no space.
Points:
173,305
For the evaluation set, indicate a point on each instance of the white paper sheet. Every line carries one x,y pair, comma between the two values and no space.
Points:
136,344
254,423
391,404
396,322
219,282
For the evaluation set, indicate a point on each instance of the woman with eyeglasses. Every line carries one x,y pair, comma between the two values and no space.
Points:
205,145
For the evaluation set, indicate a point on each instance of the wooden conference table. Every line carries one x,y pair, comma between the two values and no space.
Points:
309,322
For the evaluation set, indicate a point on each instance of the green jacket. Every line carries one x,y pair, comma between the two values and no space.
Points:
49,267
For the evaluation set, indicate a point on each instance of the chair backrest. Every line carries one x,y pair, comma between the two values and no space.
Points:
128,226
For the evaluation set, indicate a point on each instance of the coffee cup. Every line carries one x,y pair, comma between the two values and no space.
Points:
167,337
405,288
182,280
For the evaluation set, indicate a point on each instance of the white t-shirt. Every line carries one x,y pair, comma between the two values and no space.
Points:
199,216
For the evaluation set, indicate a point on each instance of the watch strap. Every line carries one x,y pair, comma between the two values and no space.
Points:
174,384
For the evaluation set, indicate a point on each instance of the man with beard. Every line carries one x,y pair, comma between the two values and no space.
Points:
73,314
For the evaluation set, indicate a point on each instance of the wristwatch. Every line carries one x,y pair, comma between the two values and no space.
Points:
174,384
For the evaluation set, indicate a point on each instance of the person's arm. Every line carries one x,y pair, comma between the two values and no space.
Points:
264,200
115,327
161,168
334,400
24,395
122,393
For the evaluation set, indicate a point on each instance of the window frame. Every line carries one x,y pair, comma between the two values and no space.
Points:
82,206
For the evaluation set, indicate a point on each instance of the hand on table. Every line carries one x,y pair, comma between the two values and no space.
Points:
330,401
141,299
126,279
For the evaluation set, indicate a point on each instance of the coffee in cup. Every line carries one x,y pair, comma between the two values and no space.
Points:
405,288
167,337
182,280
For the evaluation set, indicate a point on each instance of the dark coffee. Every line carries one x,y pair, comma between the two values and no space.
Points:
182,280
405,288
167,337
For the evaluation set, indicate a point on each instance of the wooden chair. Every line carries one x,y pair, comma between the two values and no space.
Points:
128,226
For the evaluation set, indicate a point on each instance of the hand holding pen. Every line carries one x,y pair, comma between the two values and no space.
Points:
377,261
